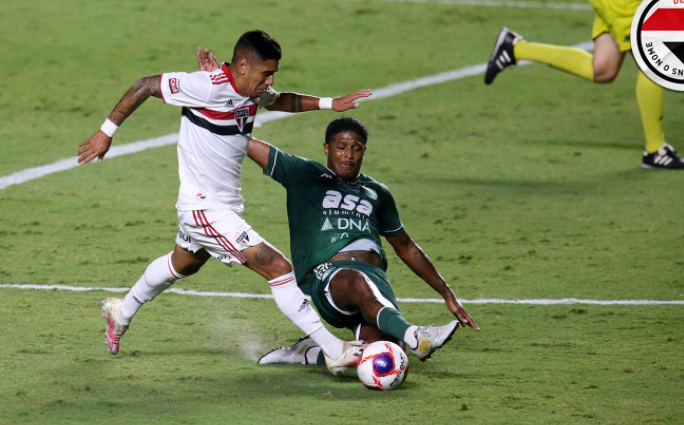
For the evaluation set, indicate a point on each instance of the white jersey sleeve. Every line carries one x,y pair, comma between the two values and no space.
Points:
183,89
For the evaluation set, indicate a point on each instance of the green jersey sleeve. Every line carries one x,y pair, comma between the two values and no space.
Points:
284,168
388,215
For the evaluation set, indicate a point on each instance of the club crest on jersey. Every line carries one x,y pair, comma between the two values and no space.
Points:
243,239
241,117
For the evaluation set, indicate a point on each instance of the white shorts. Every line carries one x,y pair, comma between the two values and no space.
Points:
223,233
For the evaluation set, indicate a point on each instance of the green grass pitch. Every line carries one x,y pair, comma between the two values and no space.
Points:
528,189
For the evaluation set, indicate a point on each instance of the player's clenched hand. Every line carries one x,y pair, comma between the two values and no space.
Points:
343,103
95,147
206,60
457,309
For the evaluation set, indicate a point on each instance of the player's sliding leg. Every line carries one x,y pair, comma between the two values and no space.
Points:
306,352
272,264
158,276
370,294
422,340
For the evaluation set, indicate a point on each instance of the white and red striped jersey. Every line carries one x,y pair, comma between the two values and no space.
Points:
216,127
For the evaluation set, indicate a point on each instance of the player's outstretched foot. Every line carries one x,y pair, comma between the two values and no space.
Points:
432,338
294,354
350,357
665,157
116,327
502,56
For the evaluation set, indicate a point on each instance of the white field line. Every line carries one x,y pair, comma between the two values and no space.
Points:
493,3
29,174
191,292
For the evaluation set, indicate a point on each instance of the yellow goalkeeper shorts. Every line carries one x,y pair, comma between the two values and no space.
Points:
614,17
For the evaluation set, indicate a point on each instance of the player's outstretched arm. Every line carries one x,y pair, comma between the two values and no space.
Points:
414,257
295,102
99,143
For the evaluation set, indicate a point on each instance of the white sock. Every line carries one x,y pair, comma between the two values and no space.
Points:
410,336
158,276
296,307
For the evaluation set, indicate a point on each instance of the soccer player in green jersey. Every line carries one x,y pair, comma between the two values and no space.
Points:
337,217
611,33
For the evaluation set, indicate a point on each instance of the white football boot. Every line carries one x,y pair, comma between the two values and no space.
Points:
432,338
294,354
351,354
116,327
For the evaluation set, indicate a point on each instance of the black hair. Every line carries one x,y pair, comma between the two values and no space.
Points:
340,125
256,44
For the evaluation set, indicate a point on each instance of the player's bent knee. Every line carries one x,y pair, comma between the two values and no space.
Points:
187,263
280,266
606,71
190,269
273,260
605,77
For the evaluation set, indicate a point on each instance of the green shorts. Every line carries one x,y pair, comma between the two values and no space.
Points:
317,281
614,17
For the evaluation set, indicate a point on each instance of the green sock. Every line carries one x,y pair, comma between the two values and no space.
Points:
320,360
391,322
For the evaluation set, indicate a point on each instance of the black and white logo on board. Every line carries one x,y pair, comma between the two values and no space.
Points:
658,41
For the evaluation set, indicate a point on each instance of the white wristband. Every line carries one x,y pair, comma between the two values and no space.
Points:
109,128
325,103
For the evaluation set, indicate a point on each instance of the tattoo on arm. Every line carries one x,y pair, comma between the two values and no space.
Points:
296,103
265,256
134,97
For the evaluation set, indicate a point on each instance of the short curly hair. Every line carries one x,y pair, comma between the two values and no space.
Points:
340,125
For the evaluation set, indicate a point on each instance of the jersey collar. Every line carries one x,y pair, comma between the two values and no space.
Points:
226,70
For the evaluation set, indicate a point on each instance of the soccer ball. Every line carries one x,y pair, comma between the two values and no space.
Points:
383,366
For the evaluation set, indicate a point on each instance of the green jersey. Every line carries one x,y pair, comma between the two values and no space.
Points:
326,212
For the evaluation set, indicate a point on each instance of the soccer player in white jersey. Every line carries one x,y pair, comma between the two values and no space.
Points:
219,108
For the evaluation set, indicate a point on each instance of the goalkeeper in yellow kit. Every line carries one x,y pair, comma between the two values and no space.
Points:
611,30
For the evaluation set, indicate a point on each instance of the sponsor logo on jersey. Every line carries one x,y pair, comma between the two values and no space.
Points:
349,202
657,37
327,225
174,85
229,104
346,223
241,116
326,176
201,196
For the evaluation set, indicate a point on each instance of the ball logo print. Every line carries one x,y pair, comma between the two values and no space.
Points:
383,366
658,42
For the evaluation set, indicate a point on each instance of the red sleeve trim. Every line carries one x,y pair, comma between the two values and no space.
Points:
226,70
161,88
